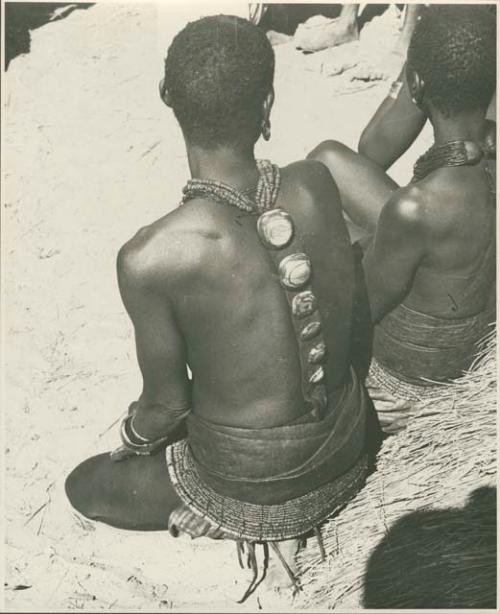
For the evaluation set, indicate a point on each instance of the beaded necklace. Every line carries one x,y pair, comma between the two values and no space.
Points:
264,193
454,153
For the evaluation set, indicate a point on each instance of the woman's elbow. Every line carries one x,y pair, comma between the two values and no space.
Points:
364,142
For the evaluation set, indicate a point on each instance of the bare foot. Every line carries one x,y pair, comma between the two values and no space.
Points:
277,38
315,35
277,578
389,67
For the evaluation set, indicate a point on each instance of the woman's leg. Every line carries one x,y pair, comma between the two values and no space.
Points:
134,493
364,186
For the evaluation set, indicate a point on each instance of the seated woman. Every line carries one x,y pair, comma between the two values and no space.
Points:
252,283
430,258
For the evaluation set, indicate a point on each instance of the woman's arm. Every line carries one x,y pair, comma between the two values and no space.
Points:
394,127
393,256
161,352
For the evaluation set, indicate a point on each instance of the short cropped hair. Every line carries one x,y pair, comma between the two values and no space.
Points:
453,49
218,71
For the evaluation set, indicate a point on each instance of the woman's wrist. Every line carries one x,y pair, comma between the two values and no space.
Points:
395,89
139,445
135,434
151,421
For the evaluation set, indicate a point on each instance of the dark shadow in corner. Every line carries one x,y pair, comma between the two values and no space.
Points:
21,17
437,559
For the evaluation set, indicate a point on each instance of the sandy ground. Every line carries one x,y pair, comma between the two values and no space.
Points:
90,155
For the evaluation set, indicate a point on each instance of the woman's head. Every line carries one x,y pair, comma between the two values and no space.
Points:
451,66
218,80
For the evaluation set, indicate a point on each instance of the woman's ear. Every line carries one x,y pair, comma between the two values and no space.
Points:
267,105
164,95
416,87
265,124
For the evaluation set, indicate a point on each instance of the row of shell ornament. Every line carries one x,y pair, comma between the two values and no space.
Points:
276,231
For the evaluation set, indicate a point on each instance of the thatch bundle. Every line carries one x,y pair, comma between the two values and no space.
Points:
422,533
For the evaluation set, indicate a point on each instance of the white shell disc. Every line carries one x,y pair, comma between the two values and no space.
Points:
317,375
275,228
310,330
295,270
317,353
303,304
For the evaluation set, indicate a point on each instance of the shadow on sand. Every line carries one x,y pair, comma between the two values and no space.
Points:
437,559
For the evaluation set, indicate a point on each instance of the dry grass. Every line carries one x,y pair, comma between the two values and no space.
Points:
407,540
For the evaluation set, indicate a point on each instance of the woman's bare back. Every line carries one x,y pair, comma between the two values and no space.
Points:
233,312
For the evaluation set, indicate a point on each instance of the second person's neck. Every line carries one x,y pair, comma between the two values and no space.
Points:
235,166
458,128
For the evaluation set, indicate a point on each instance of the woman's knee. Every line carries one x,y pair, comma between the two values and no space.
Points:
82,486
134,493
330,152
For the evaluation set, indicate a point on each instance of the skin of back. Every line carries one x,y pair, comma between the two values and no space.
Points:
205,265
458,231
438,247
